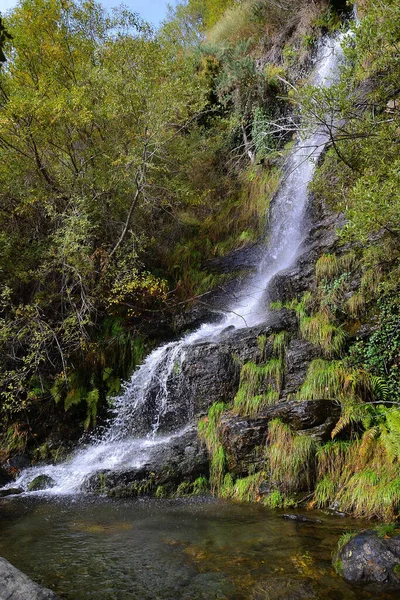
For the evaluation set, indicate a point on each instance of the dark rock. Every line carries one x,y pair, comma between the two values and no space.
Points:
301,519
244,438
367,558
299,354
15,585
10,492
41,482
294,281
5,477
18,462
241,259
181,459
210,373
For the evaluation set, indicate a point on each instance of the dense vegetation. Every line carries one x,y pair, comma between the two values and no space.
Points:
129,158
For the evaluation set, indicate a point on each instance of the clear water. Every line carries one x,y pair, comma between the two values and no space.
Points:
174,550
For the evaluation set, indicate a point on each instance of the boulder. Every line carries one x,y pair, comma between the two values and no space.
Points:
41,482
242,437
15,585
368,558
179,460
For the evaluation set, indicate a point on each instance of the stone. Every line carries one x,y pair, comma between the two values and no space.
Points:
209,373
10,492
181,459
368,558
283,588
5,476
41,482
15,585
243,436
301,519
298,356
18,462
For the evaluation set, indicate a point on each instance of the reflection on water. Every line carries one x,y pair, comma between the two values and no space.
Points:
173,550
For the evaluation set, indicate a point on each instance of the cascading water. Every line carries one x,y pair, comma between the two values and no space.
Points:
139,411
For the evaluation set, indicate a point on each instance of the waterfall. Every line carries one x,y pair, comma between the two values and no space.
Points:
137,426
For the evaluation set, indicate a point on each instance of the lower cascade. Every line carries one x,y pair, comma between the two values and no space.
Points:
153,413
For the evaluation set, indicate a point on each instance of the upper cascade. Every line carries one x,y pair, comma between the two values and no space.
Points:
142,419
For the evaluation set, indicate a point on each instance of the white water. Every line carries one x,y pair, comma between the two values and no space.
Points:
132,435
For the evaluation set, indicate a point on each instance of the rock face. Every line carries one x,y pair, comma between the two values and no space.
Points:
367,558
209,373
14,585
322,237
242,437
177,463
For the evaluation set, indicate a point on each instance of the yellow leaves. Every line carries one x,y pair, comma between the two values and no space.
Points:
135,289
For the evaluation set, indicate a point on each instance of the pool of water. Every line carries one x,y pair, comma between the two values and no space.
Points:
94,548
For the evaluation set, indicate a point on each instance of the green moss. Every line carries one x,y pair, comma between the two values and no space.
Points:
259,386
227,488
280,342
200,486
217,469
261,342
324,379
319,330
277,499
291,457
184,489
161,492
325,492
344,539
277,305
387,529
208,427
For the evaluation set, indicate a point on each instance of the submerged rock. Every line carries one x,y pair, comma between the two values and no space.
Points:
301,519
15,585
368,558
282,588
41,482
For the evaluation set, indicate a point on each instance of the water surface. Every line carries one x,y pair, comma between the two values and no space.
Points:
93,548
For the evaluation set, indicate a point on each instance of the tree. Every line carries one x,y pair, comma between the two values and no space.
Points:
89,109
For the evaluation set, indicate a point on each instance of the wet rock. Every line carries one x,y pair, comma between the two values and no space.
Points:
209,586
41,482
5,477
18,462
322,238
165,467
299,354
15,585
10,492
242,437
301,519
367,558
210,372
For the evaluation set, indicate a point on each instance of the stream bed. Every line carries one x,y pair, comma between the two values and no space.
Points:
196,549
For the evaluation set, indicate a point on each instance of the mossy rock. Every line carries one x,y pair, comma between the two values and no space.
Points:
41,482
